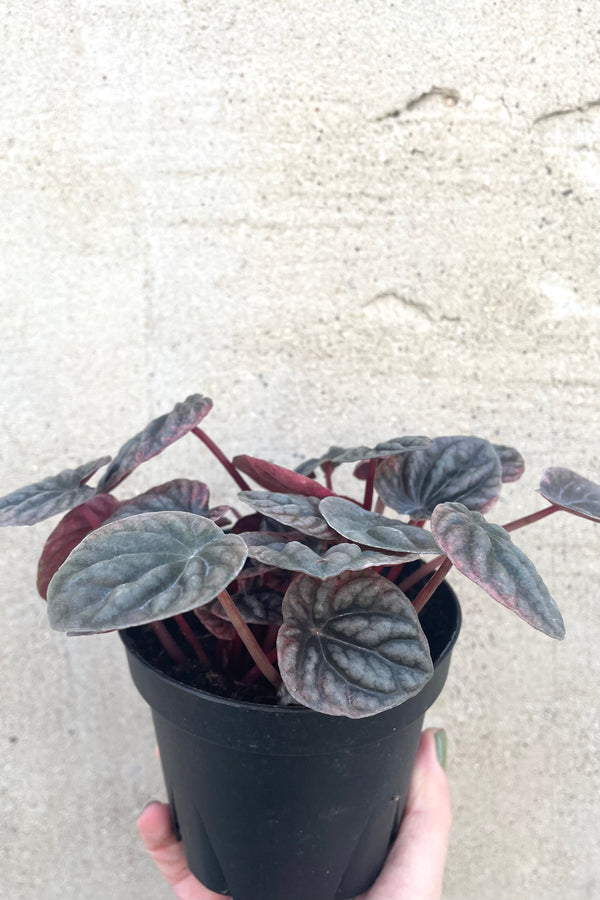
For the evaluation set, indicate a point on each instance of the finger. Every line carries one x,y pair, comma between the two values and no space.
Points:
156,830
414,868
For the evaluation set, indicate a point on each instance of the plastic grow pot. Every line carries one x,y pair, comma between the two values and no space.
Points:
284,803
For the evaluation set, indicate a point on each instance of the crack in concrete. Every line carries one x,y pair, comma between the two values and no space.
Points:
450,97
568,111
401,298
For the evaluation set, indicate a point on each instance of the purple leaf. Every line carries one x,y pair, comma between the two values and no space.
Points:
180,494
278,550
485,554
69,532
351,646
277,479
157,435
141,569
513,464
294,510
453,469
258,608
369,528
55,494
571,491
222,629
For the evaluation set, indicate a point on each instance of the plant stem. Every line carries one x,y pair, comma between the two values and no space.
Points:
250,642
168,643
192,639
420,573
254,673
533,517
433,583
394,572
226,463
368,500
510,526
379,506
327,468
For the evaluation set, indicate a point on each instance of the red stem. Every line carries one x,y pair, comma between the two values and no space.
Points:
433,564
168,643
394,572
226,463
533,517
254,673
250,642
368,500
327,468
431,586
192,639
379,506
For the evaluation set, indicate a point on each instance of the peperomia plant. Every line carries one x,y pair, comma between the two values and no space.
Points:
308,595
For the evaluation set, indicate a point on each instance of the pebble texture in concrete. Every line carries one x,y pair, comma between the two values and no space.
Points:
343,221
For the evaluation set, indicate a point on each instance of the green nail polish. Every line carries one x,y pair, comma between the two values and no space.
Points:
441,747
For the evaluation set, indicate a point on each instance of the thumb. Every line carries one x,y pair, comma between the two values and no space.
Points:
414,867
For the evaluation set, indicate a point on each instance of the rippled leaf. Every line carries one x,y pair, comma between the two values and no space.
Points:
485,553
69,532
369,528
55,494
386,448
143,568
571,491
294,510
153,439
511,461
257,608
294,556
453,469
180,494
278,479
351,646
310,466
222,628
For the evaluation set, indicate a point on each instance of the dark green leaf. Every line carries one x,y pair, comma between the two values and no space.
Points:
453,469
571,491
55,494
276,550
153,439
141,569
369,528
294,510
351,646
485,553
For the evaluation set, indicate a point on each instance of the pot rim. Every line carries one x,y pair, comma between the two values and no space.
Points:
231,703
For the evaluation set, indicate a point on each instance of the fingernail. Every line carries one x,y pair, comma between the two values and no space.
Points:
441,747
146,805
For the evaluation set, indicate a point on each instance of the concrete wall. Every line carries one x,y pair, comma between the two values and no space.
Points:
343,221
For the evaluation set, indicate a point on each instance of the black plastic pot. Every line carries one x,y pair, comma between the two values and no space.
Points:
283,803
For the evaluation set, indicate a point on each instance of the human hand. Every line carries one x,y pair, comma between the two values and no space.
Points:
414,867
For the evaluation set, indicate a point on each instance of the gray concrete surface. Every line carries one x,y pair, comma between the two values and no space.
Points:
276,205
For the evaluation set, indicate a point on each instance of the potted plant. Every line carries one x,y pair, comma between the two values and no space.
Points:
289,654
